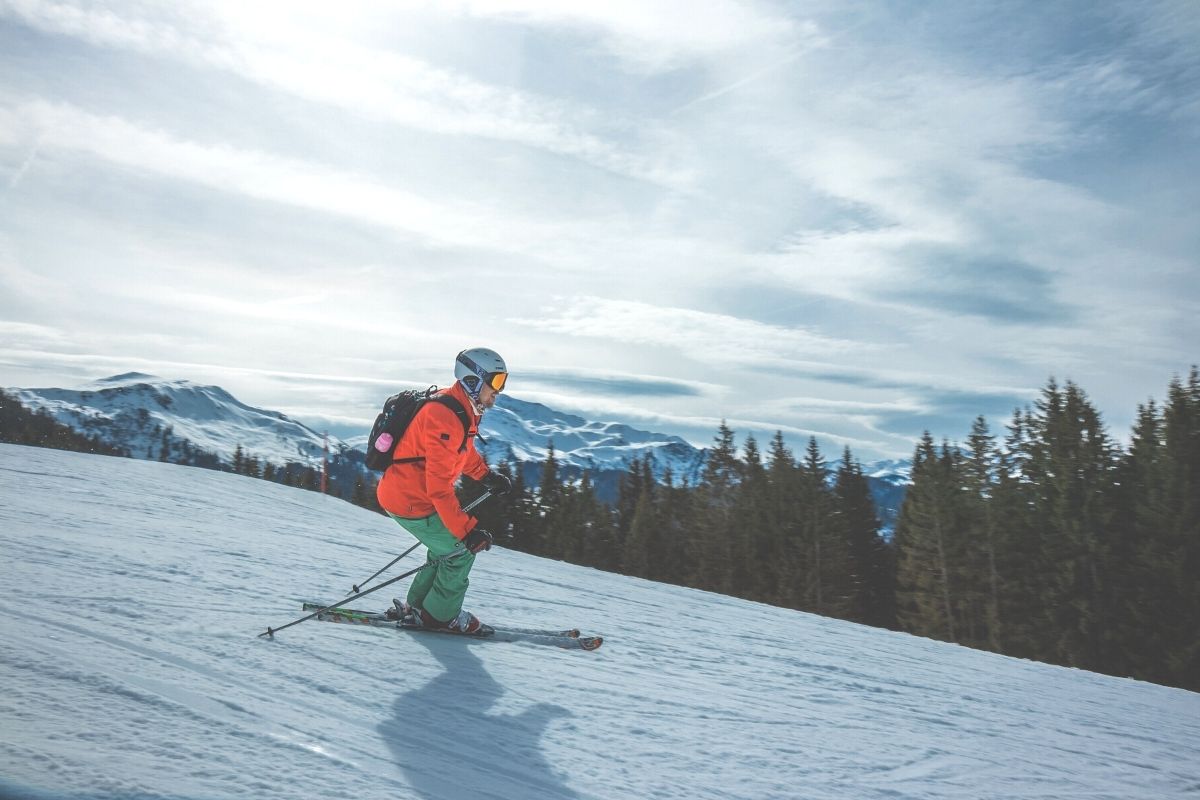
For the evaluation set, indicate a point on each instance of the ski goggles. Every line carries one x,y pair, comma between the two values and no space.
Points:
496,380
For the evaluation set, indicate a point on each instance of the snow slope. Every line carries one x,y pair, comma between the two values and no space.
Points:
130,666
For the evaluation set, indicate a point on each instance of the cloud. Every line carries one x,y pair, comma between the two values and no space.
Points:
279,47
1162,65
656,36
615,384
15,179
1000,290
899,381
27,334
702,337
264,176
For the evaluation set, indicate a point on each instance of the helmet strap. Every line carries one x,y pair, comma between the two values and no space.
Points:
472,386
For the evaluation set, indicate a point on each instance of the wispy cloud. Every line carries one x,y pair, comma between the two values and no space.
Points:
25,333
24,166
282,48
997,289
613,383
701,337
267,177
662,35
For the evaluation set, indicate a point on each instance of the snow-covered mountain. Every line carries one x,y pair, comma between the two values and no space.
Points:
137,411
134,411
525,431
131,667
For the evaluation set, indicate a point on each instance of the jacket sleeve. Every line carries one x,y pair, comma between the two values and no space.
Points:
441,435
476,466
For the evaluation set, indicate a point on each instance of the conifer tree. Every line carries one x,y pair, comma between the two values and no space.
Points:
872,585
164,452
714,509
1179,572
1072,462
1140,553
567,523
363,494
640,558
782,558
596,526
1023,619
826,581
981,579
673,512
629,492
928,550
750,527
577,521
546,541
518,513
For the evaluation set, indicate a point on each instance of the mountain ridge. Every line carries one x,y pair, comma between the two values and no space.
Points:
146,413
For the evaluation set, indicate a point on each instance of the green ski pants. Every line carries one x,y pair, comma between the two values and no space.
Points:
438,589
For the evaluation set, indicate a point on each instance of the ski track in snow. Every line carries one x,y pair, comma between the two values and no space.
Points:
131,667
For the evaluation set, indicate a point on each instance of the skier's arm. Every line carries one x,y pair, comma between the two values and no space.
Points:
442,435
476,466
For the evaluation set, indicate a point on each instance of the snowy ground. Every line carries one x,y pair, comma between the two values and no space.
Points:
133,592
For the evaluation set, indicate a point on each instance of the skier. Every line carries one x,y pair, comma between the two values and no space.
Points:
418,491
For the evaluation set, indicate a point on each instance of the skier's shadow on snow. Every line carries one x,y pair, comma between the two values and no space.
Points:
451,744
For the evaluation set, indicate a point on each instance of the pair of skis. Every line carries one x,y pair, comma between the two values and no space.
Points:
568,639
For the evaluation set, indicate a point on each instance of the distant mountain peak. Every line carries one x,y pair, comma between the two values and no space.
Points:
126,378
144,413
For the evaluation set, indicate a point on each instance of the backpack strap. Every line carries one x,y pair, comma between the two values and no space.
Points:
460,412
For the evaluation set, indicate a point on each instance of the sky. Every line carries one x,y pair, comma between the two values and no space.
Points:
855,220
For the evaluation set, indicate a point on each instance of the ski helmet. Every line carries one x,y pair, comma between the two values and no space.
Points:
477,366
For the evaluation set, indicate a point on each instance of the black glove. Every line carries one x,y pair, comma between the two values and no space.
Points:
478,540
496,483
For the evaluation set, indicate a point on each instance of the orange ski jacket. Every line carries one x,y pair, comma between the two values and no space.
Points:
417,489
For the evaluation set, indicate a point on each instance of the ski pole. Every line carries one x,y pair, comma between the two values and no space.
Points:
355,588
270,632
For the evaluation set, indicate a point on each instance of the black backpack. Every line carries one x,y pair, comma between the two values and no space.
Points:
397,415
